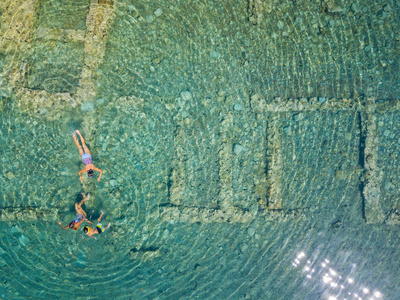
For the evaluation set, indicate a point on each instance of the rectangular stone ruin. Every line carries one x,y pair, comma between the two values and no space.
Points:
382,201
320,158
48,72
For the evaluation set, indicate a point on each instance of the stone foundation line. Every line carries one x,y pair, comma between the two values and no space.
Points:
225,164
368,105
17,33
98,21
274,162
372,174
27,213
176,190
230,214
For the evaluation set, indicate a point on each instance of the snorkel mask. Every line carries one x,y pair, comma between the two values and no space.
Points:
90,173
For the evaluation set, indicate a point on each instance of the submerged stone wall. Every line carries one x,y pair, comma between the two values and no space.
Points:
317,154
276,49
235,147
231,134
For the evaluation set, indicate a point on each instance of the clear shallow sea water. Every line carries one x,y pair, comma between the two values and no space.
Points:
249,149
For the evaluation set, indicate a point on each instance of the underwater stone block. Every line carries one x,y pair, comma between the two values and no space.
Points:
2,60
387,127
56,66
63,14
320,159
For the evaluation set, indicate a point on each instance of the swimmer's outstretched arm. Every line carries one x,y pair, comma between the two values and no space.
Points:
101,172
62,225
80,172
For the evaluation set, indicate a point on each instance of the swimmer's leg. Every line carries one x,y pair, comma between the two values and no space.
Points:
98,220
84,198
78,145
83,143
78,206
79,209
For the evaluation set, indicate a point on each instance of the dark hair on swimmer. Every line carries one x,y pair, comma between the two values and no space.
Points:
71,225
90,173
85,229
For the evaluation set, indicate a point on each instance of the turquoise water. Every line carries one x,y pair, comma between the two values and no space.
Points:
249,149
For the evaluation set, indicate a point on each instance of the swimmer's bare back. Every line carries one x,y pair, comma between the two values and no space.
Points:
90,231
95,230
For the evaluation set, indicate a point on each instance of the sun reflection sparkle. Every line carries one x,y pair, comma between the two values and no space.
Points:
334,282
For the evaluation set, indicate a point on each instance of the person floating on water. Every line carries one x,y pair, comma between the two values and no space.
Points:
90,231
86,157
81,215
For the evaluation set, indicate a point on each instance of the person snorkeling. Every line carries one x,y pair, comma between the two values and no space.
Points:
90,231
86,157
81,215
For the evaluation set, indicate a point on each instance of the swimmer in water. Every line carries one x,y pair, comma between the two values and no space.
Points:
81,215
86,157
90,231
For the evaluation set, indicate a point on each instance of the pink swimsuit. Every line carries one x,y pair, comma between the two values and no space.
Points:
87,159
